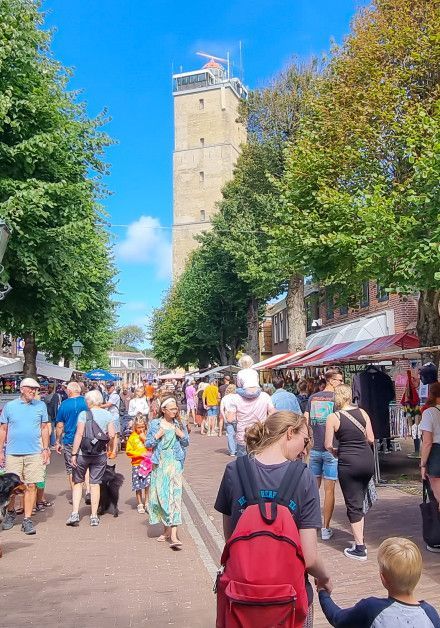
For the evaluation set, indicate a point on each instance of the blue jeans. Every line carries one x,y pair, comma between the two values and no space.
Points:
323,464
230,435
241,450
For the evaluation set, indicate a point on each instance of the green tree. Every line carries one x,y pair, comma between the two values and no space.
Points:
272,115
360,193
58,259
203,317
128,338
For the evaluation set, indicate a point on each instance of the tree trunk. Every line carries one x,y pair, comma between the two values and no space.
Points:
428,322
66,362
296,313
30,355
252,346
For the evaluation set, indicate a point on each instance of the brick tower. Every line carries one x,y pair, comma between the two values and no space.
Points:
207,139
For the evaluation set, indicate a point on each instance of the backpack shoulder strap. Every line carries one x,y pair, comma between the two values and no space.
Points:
289,483
247,479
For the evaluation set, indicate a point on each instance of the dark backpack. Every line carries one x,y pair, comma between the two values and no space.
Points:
263,579
94,441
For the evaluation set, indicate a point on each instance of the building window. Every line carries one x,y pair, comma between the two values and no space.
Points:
381,294
365,296
312,310
202,215
201,177
201,103
329,305
281,323
275,329
343,311
202,141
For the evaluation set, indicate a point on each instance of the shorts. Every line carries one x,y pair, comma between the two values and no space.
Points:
67,451
96,466
190,405
212,411
433,463
323,464
29,468
117,424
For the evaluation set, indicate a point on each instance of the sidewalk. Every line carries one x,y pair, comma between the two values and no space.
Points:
110,576
395,514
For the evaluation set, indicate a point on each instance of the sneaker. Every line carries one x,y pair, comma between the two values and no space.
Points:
326,534
88,499
358,552
73,520
28,527
94,521
9,519
141,509
433,549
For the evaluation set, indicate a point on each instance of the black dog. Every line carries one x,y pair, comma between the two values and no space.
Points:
10,484
109,496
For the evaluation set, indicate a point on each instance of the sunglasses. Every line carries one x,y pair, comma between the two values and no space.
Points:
307,440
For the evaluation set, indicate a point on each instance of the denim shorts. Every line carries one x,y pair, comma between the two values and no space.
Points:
212,410
323,464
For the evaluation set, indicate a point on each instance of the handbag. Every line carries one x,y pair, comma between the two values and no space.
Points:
371,496
430,516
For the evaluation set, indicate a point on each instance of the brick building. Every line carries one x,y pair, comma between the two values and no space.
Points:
379,314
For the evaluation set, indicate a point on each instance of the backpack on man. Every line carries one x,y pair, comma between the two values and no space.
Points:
94,441
262,582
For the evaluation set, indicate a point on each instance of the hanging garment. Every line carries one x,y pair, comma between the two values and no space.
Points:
373,390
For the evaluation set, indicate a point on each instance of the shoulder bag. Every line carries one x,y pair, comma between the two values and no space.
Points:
371,496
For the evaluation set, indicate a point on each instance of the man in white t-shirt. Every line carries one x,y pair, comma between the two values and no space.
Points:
247,406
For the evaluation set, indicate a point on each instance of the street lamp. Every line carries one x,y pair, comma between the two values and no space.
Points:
77,348
5,232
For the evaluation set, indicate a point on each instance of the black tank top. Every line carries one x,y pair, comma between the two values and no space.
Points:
351,440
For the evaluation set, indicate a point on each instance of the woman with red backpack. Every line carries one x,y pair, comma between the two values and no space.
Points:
271,513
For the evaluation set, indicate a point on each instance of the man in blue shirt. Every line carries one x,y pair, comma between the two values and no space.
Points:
66,423
282,399
24,428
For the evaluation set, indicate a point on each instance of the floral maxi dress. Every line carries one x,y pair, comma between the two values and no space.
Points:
165,501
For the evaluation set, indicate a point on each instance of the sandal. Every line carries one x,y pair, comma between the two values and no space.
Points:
176,545
19,511
46,504
39,507
162,538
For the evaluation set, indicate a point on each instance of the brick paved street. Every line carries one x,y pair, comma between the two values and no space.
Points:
118,575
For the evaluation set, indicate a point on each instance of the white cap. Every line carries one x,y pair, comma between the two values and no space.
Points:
29,382
247,378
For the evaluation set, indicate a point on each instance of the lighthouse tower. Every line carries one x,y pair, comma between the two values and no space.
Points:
207,140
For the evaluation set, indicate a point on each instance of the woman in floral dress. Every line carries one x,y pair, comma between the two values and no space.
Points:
168,437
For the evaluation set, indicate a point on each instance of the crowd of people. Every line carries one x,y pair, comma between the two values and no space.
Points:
315,435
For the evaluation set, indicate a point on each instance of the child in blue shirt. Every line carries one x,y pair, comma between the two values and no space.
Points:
400,568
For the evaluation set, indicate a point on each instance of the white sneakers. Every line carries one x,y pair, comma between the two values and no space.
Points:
326,534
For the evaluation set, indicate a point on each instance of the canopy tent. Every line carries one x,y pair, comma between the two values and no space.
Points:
279,361
100,375
170,376
369,328
349,352
268,361
229,369
46,369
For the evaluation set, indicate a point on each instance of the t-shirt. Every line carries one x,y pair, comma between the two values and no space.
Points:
115,400
231,501
431,423
320,406
24,426
149,391
190,394
225,404
138,404
249,411
284,400
222,390
68,414
102,417
210,395
374,612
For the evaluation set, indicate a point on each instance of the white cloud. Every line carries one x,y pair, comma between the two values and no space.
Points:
147,243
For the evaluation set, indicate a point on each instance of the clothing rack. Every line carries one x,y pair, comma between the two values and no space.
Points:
399,426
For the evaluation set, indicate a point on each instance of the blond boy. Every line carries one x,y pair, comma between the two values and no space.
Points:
400,568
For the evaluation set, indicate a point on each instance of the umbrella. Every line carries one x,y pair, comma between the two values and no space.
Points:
100,375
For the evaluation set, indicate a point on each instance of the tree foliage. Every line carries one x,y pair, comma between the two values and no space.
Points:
58,260
360,194
128,338
203,317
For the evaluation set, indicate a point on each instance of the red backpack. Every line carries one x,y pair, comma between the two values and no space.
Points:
262,582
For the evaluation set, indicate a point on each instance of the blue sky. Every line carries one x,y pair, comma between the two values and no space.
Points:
123,53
